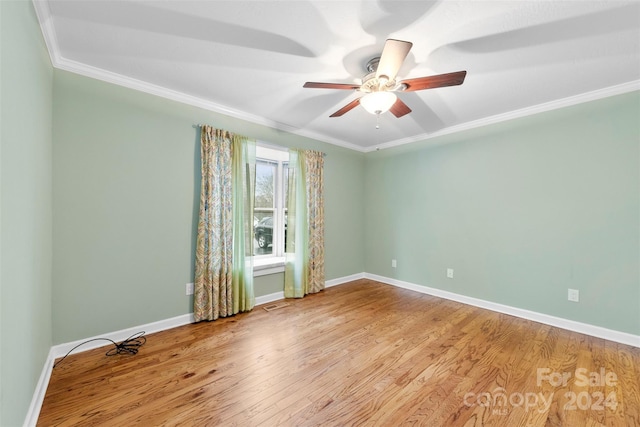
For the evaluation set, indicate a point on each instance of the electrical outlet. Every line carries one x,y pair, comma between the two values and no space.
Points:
573,295
394,264
189,288
450,273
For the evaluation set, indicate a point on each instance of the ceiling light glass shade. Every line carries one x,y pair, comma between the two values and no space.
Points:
378,102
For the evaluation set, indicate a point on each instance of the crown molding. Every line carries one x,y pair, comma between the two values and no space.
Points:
58,61
142,86
516,114
43,14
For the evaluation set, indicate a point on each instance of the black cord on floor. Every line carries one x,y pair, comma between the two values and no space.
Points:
129,346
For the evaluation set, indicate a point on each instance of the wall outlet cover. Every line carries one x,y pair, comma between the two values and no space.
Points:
573,295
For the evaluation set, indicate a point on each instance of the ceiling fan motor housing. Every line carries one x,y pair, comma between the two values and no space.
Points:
370,83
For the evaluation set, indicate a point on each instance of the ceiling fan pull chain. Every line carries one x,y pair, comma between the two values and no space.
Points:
378,120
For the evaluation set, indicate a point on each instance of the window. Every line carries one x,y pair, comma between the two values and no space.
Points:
270,211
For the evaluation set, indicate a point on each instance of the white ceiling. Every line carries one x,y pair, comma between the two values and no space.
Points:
249,59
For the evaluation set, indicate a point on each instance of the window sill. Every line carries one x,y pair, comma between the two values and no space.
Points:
270,265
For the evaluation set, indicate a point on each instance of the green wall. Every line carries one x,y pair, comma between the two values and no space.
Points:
126,191
25,208
521,210
99,192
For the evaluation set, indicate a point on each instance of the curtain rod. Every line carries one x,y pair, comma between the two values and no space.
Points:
199,125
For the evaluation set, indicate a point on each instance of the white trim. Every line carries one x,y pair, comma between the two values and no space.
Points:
153,89
516,114
46,24
268,265
265,299
257,272
264,151
327,284
45,19
149,328
33,413
43,13
270,146
61,349
342,280
571,325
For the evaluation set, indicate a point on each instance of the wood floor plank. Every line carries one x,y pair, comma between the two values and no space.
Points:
628,370
362,353
505,376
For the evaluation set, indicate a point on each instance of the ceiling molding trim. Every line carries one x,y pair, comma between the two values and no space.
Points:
328,140
516,114
139,85
43,14
142,86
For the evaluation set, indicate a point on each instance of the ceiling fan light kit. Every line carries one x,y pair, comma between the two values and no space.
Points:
380,84
378,102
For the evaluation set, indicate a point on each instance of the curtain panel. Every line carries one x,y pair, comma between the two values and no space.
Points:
304,251
223,283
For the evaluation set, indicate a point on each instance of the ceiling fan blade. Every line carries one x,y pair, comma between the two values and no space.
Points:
431,82
316,85
399,108
393,55
350,106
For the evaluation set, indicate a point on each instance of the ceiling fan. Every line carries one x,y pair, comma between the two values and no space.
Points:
380,83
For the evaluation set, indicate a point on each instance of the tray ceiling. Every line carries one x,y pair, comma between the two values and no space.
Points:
249,59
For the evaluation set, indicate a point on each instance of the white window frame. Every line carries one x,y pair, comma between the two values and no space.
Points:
274,262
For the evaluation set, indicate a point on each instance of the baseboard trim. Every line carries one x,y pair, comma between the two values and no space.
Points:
571,325
38,395
342,280
185,319
61,349
117,336
162,325
265,299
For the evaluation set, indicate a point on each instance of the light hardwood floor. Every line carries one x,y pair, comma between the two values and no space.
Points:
362,353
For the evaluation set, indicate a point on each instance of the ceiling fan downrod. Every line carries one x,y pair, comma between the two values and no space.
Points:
372,64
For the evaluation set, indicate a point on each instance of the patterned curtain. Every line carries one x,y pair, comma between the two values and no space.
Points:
223,283
304,264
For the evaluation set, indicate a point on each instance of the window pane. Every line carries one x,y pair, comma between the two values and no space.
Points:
265,184
264,206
